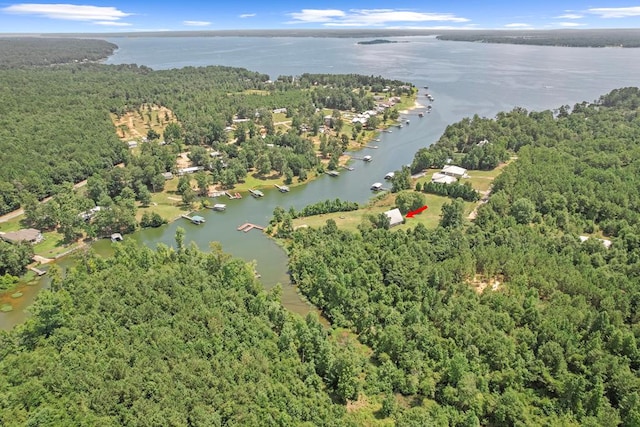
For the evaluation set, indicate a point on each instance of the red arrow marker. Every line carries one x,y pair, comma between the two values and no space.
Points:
410,214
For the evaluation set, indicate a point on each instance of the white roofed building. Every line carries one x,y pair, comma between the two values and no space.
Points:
455,171
443,179
395,217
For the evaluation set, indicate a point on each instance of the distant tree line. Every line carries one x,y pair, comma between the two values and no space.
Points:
38,51
569,38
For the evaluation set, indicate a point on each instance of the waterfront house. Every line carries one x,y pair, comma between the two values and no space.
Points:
395,217
29,235
442,178
455,171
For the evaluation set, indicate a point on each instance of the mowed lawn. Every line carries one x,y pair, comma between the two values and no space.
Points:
350,220
480,180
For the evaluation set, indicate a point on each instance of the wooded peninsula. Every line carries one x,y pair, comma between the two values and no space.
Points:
526,314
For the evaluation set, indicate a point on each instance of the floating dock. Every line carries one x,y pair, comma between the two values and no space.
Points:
219,207
247,226
282,188
256,193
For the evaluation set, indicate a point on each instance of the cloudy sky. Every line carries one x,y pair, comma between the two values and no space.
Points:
118,15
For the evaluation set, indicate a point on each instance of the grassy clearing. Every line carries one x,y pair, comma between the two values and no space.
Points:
350,220
12,224
53,245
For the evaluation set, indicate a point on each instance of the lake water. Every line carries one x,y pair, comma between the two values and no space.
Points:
464,79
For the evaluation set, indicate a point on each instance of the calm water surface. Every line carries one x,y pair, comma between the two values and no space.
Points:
464,78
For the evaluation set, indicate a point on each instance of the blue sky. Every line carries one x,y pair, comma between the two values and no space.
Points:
118,15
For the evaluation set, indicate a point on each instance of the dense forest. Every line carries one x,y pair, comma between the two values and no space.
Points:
171,338
38,51
510,320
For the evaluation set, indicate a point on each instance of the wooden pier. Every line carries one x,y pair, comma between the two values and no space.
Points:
247,226
38,271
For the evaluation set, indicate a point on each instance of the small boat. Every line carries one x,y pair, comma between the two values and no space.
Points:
367,158
408,121
377,186
256,193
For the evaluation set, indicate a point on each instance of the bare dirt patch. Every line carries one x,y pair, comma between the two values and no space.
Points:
136,124
480,283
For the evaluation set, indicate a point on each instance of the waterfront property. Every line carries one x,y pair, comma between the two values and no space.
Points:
455,171
442,178
30,235
395,217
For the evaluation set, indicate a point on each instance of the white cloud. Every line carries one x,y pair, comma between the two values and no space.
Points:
69,12
247,15
196,23
112,23
615,12
570,16
368,17
316,15
518,25
570,24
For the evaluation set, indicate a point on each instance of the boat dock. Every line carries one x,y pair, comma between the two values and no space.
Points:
194,219
38,271
333,173
375,147
247,226
282,188
256,193
365,158
233,196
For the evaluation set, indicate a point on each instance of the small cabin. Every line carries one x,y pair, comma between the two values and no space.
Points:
377,186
